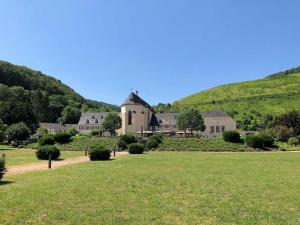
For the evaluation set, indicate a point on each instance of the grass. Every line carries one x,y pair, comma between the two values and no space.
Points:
200,144
20,156
266,96
81,143
160,188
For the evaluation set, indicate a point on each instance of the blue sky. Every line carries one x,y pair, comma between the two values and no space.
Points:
167,49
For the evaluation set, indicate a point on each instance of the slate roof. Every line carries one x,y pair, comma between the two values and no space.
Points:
133,99
93,118
167,118
215,113
52,126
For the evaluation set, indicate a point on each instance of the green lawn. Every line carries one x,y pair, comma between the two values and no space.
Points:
160,188
19,156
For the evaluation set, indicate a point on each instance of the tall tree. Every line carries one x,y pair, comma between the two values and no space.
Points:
70,115
40,104
112,122
190,119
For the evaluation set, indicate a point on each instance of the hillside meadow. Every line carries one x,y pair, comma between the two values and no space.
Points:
159,188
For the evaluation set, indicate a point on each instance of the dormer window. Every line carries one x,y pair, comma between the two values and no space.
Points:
87,121
93,117
96,121
102,117
160,121
134,112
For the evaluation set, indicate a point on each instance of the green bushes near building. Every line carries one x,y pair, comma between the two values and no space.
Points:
136,148
99,153
232,136
2,168
43,152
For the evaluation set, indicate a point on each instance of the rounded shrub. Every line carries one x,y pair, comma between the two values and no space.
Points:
44,151
95,133
151,144
293,141
232,136
136,148
2,168
97,153
122,145
254,141
47,139
129,139
62,137
268,140
157,137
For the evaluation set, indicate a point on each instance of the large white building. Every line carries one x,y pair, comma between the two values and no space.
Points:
137,115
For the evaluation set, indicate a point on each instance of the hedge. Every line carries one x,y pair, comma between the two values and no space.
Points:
136,148
44,151
232,136
97,153
2,168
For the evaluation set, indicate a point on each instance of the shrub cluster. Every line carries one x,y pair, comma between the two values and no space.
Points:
47,139
44,151
157,137
136,148
267,139
254,141
125,140
98,152
2,168
232,136
151,144
293,141
62,137
96,133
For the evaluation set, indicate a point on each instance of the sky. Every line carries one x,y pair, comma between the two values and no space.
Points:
165,49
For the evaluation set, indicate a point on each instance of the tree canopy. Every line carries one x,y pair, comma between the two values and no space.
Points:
190,119
112,122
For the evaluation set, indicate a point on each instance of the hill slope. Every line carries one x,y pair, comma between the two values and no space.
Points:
252,100
30,96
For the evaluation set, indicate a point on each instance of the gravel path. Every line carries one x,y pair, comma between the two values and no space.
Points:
27,168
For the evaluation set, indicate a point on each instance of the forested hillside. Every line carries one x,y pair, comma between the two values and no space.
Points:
30,96
253,104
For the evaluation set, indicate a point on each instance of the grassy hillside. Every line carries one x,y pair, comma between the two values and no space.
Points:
273,95
31,96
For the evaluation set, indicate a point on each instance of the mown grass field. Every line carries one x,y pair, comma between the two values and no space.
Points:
20,157
160,188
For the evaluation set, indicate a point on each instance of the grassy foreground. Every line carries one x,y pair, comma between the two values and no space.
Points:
20,157
160,188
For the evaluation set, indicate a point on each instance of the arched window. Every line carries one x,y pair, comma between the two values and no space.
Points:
129,118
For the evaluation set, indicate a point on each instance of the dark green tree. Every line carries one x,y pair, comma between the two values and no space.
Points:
111,123
190,119
18,132
70,115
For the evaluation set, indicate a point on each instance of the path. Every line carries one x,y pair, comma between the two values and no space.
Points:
14,170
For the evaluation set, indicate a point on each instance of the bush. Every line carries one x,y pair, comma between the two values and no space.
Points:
41,132
122,145
47,139
136,148
254,141
129,139
97,153
232,136
62,137
151,144
268,140
96,133
2,168
18,132
72,131
283,133
44,151
293,141
157,137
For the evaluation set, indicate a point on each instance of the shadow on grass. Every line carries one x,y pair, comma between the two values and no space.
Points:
5,182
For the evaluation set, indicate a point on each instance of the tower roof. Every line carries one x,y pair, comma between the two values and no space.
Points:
133,99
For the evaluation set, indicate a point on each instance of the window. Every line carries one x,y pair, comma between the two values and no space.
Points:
96,121
129,118
102,117
87,121
217,129
212,129
223,129
160,121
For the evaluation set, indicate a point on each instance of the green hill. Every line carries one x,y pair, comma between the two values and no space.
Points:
252,102
30,96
